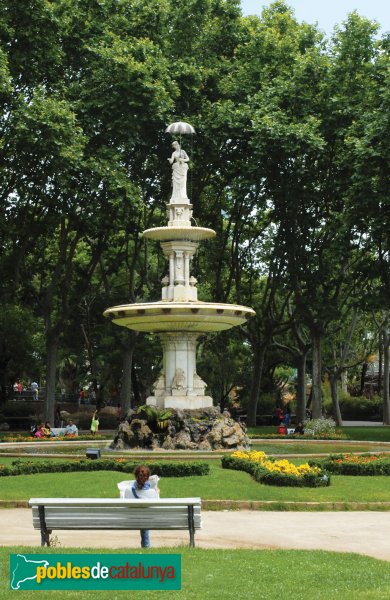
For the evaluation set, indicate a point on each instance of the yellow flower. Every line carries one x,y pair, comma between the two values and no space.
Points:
276,466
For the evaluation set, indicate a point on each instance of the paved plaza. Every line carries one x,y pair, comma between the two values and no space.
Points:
360,532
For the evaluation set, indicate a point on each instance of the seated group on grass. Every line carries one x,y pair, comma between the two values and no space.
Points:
282,429
44,430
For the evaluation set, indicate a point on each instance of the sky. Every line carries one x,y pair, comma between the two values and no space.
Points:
328,13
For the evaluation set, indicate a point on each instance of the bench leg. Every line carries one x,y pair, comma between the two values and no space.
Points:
45,539
191,526
45,533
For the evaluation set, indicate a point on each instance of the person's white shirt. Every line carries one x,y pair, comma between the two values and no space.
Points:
149,492
71,429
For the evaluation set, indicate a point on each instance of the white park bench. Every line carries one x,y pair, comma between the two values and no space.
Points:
113,513
59,431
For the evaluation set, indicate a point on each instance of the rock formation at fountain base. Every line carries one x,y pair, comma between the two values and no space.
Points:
202,429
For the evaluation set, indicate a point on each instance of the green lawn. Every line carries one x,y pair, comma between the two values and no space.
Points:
239,574
316,447
271,447
221,484
374,434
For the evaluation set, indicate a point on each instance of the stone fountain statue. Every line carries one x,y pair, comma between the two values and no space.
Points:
179,318
179,160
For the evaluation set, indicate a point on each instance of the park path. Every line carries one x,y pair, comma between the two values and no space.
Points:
359,532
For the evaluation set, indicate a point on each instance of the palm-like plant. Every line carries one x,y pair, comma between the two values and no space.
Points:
157,418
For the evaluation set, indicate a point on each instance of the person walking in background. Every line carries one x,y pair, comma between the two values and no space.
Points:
57,418
278,415
95,423
287,416
81,396
34,390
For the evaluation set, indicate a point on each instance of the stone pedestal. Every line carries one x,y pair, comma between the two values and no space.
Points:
178,385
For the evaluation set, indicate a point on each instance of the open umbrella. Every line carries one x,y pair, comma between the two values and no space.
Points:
180,128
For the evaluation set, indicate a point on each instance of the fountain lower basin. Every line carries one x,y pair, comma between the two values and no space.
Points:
202,317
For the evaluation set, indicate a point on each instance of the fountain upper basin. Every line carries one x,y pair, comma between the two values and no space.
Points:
179,316
195,234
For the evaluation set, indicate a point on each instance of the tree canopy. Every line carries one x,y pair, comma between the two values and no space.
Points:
290,166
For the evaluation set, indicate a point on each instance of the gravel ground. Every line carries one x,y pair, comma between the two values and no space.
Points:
360,532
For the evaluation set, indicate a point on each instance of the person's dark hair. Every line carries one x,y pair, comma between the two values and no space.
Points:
141,468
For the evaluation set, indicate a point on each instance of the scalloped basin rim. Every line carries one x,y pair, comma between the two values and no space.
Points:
180,305
179,233
179,316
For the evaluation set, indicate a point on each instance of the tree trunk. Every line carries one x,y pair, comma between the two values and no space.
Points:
301,387
363,378
256,385
51,370
344,381
316,376
380,366
137,400
335,399
126,388
386,375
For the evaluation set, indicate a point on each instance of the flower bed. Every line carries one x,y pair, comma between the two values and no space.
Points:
355,464
62,438
296,436
164,469
276,472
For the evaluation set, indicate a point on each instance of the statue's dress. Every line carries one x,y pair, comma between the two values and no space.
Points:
179,176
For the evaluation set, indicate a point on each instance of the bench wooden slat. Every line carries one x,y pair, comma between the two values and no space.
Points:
62,517
113,502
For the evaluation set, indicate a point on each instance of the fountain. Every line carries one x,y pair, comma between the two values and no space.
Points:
179,318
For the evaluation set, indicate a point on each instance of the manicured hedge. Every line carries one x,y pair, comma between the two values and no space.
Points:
366,464
164,469
261,474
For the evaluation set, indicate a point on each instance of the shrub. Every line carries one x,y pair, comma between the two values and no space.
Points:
361,408
182,469
267,402
354,464
320,428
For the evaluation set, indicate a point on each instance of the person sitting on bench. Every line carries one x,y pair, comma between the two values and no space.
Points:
142,489
71,429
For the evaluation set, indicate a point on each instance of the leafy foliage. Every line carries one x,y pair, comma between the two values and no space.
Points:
290,167
157,418
162,469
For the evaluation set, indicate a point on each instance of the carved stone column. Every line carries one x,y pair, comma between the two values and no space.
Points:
179,374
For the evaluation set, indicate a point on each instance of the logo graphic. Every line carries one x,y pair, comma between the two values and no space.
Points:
25,570
95,572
